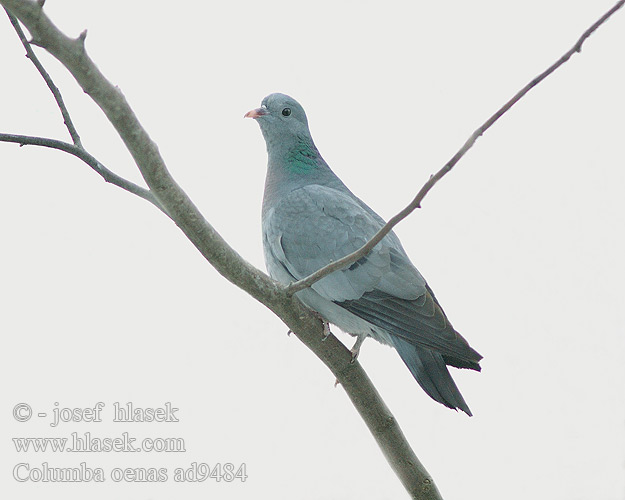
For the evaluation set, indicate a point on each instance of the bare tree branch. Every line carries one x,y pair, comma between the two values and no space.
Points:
79,152
71,52
305,325
416,202
42,71
77,148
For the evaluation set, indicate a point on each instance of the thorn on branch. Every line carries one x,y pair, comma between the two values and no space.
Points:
81,38
41,3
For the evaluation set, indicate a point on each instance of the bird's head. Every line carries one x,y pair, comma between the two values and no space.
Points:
281,118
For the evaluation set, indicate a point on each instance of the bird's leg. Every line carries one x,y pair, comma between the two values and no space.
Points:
326,331
326,328
356,349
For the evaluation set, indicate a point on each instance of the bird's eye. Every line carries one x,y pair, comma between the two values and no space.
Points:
286,112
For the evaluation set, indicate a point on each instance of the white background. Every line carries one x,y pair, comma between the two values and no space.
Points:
103,299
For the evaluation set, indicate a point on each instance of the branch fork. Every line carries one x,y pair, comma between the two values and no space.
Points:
165,194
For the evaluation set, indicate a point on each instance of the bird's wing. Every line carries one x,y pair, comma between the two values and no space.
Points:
315,225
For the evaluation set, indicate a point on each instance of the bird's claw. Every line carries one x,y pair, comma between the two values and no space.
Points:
356,349
354,357
326,331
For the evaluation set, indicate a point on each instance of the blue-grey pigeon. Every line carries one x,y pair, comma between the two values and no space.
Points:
310,218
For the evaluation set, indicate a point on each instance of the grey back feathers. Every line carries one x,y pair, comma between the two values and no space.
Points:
310,218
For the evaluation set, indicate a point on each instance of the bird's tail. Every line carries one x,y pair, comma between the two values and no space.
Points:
430,370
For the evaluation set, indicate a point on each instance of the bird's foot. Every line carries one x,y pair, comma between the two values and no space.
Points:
326,331
356,349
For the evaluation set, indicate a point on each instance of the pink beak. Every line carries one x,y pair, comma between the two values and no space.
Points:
256,113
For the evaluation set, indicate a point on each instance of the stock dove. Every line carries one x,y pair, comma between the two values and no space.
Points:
310,218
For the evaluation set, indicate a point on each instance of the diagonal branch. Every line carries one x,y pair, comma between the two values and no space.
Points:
378,418
77,148
416,202
71,53
79,152
53,88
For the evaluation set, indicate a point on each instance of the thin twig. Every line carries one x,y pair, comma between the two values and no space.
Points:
416,202
79,152
42,71
77,148
380,421
299,319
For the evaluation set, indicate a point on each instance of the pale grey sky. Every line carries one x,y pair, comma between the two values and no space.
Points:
103,299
